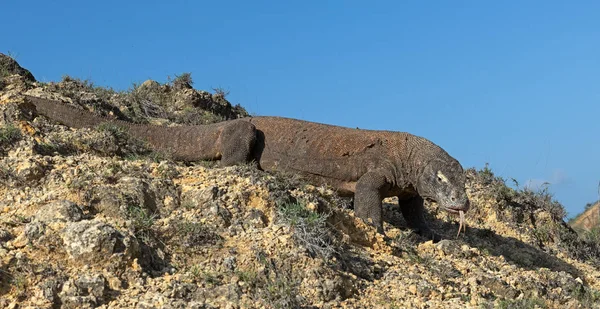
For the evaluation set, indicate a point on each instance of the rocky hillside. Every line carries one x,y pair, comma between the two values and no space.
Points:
95,219
587,220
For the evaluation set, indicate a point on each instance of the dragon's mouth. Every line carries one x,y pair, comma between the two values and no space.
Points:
457,208
453,210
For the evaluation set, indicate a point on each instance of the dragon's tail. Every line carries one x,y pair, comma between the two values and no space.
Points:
65,114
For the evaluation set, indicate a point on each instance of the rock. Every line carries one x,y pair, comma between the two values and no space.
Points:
108,201
49,290
61,210
498,287
31,170
5,235
137,191
84,292
412,289
91,285
256,218
93,241
230,263
35,230
336,288
186,98
198,197
21,241
448,246
155,196
150,85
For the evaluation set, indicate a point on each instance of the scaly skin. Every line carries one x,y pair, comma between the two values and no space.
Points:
228,141
371,165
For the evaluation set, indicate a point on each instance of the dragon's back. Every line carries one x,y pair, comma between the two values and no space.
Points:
321,141
328,151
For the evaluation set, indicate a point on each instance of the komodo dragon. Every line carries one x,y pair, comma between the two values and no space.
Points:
370,165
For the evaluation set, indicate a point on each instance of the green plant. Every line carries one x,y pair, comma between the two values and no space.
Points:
131,148
405,240
157,156
276,284
196,116
589,205
248,277
211,278
183,81
188,204
4,65
221,92
494,184
49,148
524,201
74,88
587,296
486,174
166,170
5,174
543,233
9,134
206,163
310,228
146,101
3,73
281,292
112,169
119,132
592,235
19,282
142,221
133,157
207,277
541,198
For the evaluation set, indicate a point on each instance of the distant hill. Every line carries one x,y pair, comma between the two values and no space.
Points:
587,220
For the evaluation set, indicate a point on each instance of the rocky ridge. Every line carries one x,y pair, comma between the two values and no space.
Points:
93,219
589,220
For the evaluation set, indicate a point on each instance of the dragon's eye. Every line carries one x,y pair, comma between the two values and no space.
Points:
441,177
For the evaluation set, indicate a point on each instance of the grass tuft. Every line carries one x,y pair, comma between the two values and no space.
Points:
9,134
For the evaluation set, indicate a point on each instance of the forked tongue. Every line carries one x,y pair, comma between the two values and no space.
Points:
462,225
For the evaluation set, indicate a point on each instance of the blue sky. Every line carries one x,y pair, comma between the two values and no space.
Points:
512,83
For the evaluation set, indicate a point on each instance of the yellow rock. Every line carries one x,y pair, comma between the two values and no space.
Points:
21,241
412,289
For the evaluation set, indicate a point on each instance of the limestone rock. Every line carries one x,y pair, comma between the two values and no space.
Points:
93,241
10,66
61,210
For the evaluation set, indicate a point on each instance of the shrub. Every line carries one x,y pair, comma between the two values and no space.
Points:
310,228
183,81
9,134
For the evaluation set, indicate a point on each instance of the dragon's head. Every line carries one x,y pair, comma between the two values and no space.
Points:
443,181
